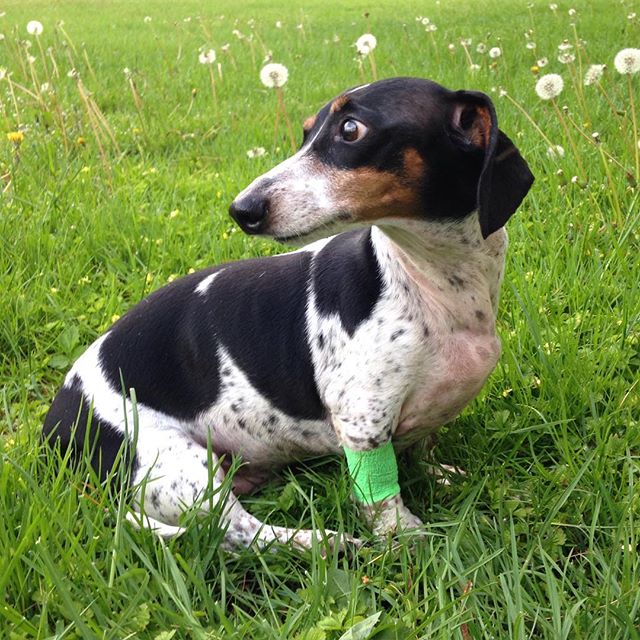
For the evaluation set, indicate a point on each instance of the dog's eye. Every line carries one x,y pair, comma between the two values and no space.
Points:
352,130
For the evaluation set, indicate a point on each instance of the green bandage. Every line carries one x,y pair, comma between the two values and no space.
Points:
374,473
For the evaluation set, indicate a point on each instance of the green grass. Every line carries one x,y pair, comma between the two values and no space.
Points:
541,537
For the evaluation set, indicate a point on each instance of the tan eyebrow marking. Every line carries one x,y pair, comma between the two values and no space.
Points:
339,103
307,125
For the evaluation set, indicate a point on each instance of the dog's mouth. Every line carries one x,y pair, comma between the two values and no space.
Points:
338,223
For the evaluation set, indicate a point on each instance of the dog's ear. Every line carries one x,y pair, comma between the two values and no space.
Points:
505,178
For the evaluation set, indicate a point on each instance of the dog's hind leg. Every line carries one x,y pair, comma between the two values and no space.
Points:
173,473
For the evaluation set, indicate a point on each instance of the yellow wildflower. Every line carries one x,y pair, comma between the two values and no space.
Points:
535,69
16,137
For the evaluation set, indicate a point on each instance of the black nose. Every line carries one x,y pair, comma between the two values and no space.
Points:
250,213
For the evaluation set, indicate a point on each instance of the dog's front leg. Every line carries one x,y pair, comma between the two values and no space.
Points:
374,471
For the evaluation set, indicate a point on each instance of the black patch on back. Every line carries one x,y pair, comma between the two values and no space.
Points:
165,351
67,422
347,278
257,309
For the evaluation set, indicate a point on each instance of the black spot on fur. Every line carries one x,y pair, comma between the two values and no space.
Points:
69,422
347,279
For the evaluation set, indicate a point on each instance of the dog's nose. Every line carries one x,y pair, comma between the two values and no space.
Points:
250,213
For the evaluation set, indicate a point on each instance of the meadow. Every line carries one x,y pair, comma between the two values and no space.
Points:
120,152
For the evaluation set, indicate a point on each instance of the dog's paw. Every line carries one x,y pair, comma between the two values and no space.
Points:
389,516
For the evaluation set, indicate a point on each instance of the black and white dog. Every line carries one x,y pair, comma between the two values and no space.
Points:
383,332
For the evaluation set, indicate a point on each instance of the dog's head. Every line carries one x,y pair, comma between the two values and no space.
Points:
398,148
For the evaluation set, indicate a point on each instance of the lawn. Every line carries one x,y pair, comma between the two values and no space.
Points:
115,183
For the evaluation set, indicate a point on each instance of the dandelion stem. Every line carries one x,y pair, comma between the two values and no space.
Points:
213,87
286,117
524,112
634,123
591,141
569,139
374,69
611,192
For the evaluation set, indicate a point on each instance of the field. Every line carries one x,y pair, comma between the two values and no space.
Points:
114,183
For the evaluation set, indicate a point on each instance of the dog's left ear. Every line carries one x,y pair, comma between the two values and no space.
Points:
505,178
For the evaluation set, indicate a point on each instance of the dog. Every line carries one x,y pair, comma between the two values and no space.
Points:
381,329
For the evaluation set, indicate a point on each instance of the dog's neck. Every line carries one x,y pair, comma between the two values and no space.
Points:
444,254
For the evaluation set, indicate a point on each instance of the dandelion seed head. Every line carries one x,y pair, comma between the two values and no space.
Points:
555,151
274,75
465,42
278,24
542,62
631,16
627,61
147,19
451,47
474,67
207,57
566,58
572,12
425,21
73,73
1,37
31,59
126,71
3,73
431,28
553,6
565,45
549,86
593,74
256,152
495,52
45,87
366,43
502,92
531,45
481,47
34,27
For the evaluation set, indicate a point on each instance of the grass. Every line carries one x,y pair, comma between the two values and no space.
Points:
541,537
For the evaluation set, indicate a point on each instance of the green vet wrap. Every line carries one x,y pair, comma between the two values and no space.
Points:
374,473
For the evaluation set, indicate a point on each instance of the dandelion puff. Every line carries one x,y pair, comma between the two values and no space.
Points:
553,6
474,67
549,86
451,47
593,74
31,59
631,16
555,151
565,45
126,71
3,73
366,43
481,47
627,61
147,19
495,52
34,27
207,57
274,75
465,42
431,28
566,58
572,12
278,26
256,152
425,21
1,37
531,45
543,62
